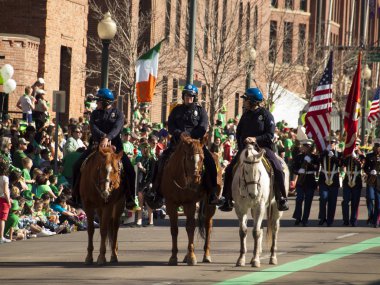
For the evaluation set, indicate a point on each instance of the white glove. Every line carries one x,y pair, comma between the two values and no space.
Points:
354,155
331,154
307,159
139,164
301,171
373,172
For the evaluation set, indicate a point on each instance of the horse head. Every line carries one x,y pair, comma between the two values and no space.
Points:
251,170
192,160
109,168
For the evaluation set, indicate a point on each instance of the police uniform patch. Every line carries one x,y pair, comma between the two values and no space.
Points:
113,115
261,117
195,113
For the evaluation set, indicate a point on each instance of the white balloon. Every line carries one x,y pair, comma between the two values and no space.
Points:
10,86
7,71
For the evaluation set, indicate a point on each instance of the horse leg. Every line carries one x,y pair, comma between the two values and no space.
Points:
114,226
104,220
90,231
257,233
210,212
275,224
189,210
243,217
171,210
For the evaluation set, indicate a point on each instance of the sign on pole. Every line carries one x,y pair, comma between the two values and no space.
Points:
59,101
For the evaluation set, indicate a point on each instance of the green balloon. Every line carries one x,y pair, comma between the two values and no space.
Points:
1,79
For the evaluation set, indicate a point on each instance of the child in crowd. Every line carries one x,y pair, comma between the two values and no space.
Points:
5,199
27,165
48,212
43,187
35,173
57,190
16,180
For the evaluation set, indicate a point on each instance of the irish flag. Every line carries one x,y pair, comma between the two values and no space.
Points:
146,74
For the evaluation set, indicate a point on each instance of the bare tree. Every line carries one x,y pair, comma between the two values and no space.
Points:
128,45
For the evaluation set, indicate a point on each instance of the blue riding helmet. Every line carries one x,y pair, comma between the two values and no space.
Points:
253,95
104,94
190,89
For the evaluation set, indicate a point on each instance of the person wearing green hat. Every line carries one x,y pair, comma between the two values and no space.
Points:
11,225
222,116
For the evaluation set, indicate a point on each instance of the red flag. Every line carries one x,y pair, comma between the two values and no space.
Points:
317,120
351,117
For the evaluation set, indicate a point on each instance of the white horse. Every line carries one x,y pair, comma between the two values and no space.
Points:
251,190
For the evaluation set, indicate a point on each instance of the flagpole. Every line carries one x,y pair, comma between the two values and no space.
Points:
191,43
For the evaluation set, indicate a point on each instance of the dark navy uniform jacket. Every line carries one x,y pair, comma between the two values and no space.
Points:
258,123
191,119
107,123
351,162
310,170
370,162
334,161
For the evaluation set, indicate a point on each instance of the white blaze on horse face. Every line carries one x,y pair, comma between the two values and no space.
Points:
196,161
108,169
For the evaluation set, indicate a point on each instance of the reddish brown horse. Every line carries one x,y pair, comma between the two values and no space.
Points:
181,186
101,191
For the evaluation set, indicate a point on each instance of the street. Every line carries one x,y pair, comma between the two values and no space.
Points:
352,256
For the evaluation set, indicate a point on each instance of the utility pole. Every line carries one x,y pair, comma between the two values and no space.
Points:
191,43
363,30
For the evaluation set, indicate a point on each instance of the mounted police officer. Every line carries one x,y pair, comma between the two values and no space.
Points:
256,126
305,166
192,119
352,186
106,123
329,182
372,169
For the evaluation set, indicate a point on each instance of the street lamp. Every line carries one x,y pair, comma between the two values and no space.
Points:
250,55
106,31
366,75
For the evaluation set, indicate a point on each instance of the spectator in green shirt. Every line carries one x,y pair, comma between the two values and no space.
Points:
19,154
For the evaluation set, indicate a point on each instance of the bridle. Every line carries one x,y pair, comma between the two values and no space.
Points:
105,193
253,182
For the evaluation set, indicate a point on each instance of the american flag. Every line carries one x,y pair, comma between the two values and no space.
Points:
317,121
374,112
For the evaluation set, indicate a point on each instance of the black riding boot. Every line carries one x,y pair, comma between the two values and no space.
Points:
227,190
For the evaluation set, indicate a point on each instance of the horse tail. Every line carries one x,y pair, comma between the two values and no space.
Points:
201,218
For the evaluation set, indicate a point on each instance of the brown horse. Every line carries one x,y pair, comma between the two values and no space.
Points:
101,191
181,186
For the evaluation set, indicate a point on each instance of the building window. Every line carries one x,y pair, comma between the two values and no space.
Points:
289,4
164,98
167,18
178,23
274,3
207,27
188,22
204,96
216,18
301,44
303,5
175,90
255,23
273,41
288,42
248,24
237,100
240,33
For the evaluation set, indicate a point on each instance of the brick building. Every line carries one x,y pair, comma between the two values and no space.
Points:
46,38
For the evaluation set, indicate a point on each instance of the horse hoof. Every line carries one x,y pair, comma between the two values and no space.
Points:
173,261
206,259
101,260
185,259
273,260
114,259
256,264
192,261
89,261
240,262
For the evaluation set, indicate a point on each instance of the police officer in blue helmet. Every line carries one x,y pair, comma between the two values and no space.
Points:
192,119
106,124
256,126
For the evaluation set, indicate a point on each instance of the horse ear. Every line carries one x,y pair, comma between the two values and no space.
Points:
261,153
204,140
